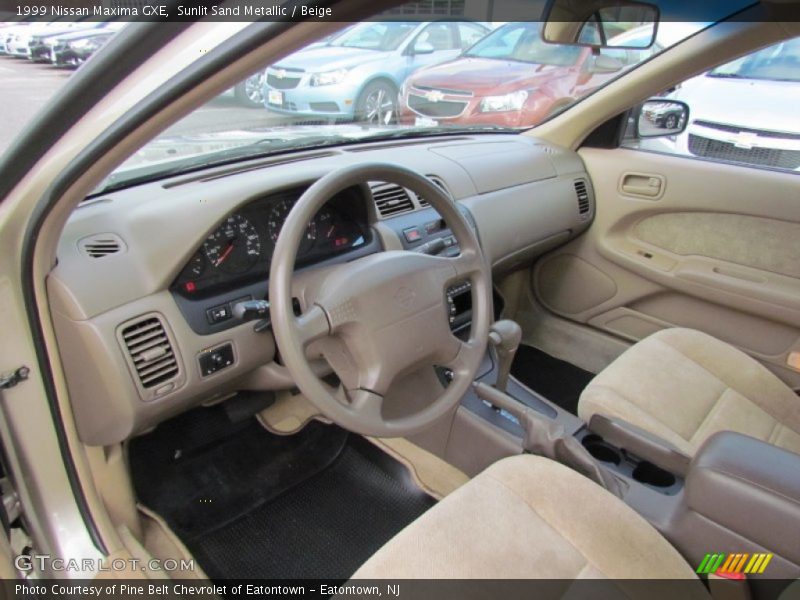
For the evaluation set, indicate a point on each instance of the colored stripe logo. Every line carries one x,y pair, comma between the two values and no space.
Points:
741,562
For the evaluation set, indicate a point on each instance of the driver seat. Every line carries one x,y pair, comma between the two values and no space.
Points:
528,517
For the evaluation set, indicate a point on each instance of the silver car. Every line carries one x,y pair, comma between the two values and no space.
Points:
357,75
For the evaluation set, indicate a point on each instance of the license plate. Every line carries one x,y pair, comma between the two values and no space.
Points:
425,122
275,97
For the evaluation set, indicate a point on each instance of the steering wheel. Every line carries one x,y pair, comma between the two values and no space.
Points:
380,316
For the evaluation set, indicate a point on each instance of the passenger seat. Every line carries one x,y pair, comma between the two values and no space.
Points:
684,385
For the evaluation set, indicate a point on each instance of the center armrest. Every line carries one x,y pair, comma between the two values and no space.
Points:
749,487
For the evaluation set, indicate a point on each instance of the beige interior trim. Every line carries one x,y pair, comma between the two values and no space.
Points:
430,472
162,543
15,213
289,414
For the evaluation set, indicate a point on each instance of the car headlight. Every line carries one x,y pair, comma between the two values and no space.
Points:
509,102
328,77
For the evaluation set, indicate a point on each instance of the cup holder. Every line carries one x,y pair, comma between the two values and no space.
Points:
649,474
600,450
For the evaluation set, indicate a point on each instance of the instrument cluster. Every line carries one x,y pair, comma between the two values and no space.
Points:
240,248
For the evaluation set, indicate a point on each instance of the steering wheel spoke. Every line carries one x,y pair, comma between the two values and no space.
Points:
462,363
366,403
312,325
379,317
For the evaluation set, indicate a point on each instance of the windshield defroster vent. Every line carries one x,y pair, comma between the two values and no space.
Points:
101,245
582,192
391,199
150,351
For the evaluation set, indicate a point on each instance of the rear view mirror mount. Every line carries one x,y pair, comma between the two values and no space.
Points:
601,23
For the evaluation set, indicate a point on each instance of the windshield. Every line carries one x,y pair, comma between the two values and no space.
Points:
780,62
375,36
391,78
523,42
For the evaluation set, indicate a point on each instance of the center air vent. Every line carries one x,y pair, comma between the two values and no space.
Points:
582,193
438,183
150,351
390,199
101,245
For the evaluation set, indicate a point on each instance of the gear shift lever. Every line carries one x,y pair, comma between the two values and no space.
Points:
505,335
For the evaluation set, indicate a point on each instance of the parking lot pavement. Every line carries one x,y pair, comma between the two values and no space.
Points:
27,87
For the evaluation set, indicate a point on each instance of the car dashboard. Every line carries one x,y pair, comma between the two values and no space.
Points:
147,278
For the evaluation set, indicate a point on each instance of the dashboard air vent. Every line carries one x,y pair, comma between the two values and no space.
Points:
583,197
101,245
391,199
150,351
440,184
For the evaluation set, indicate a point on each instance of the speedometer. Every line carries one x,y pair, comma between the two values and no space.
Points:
276,219
235,246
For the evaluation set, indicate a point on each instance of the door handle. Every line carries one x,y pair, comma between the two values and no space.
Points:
643,185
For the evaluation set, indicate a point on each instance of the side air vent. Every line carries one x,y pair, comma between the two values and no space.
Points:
101,245
391,199
440,184
582,193
150,351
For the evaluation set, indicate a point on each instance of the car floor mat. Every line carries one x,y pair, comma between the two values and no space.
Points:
555,379
255,505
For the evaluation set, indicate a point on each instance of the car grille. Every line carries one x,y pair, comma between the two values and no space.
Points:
759,132
767,157
289,81
440,109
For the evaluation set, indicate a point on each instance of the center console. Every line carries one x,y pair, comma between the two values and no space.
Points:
737,499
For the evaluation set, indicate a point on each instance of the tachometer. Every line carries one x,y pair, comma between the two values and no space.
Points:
277,217
235,246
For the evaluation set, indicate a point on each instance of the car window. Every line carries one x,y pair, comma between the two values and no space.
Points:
380,36
742,112
439,35
469,34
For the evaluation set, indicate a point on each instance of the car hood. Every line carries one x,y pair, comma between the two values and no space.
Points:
330,58
746,103
484,75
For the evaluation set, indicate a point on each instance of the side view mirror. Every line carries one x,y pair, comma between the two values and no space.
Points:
605,64
659,117
601,23
424,48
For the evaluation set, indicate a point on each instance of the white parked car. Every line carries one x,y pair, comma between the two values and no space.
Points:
744,111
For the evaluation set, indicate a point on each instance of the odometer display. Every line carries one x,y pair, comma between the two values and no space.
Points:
234,247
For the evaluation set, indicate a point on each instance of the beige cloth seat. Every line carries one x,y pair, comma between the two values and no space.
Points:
684,385
529,517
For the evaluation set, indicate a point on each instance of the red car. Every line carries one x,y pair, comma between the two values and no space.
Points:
510,78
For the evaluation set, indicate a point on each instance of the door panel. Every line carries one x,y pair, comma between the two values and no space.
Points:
716,249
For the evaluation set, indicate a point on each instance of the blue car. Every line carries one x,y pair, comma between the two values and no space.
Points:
357,75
